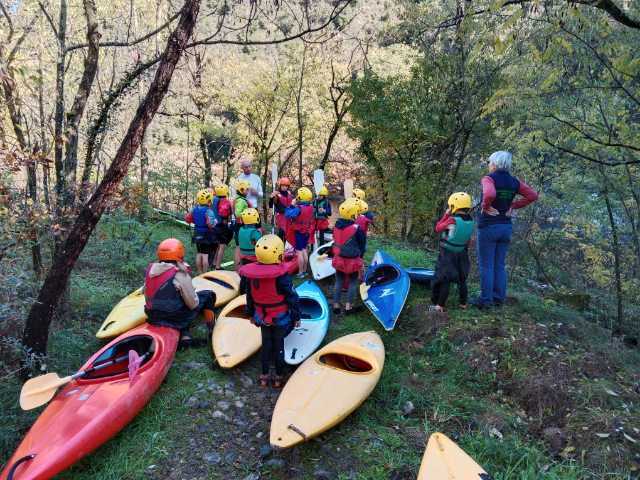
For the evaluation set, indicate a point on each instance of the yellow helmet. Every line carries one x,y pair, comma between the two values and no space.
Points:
250,216
221,190
359,193
349,209
269,249
304,194
204,196
242,186
323,191
363,207
459,201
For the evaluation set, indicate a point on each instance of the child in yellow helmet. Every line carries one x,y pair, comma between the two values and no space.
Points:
272,303
203,219
223,229
240,204
456,228
322,209
301,227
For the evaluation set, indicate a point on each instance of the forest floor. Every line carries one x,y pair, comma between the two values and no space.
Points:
531,391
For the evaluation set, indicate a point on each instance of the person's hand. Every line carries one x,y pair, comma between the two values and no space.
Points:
509,212
296,324
448,211
274,194
321,210
492,211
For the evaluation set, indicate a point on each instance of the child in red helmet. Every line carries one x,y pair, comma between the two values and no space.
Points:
170,299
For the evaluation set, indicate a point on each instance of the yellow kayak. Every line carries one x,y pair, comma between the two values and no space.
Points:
129,312
327,387
234,337
444,460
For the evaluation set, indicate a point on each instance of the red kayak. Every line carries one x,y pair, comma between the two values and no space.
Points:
90,410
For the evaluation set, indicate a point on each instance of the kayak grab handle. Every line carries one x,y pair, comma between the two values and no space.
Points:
298,431
19,462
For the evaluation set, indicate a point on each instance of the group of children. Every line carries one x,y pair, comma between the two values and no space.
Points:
272,301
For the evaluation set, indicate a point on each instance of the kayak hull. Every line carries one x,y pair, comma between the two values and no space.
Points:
305,339
234,337
421,275
385,289
326,388
129,312
444,460
87,412
320,262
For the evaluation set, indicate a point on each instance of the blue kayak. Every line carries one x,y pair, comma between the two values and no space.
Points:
421,274
385,289
314,322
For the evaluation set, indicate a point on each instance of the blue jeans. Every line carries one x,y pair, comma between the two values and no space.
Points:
493,244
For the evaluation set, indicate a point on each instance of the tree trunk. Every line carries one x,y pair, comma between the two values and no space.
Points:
95,134
299,115
59,110
36,331
206,159
79,104
13,102
616,251
43,136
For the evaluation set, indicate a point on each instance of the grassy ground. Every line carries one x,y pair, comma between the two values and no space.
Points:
531,391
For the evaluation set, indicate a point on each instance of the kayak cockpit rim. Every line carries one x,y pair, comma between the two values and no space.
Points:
345,362
217,281
143,345
310,309
382,274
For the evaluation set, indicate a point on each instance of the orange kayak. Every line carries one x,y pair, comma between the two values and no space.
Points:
90,410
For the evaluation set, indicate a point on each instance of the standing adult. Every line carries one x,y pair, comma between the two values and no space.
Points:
254,194
499,190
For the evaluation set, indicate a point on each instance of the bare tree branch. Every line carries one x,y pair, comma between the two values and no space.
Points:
588,158
128,44
49,19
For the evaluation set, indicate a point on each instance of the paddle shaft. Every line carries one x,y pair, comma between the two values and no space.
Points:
80,374
274,184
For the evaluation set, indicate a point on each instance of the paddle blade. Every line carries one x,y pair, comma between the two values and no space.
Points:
348,188
274,175
318,180
134,364
364,291
40,390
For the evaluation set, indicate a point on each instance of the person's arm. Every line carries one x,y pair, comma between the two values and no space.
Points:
284,285
259,192
250,307
328,209
488,192
529,195
183,284
444,223
361,240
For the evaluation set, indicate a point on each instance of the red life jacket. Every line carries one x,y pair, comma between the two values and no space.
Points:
346,254
363,223
262,281
160,293
224,209
305,222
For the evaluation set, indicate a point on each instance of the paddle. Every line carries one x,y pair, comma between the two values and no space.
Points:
274,183
348,188
318,183
40,390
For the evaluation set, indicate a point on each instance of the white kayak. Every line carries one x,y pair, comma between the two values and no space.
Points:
314,323
320,262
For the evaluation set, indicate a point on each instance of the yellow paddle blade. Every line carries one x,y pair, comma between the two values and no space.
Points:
40,390
364,291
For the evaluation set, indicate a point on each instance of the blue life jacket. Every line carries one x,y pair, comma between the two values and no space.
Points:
507,187
200,219
214,207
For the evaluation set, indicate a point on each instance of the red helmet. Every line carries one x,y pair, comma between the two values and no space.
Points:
171,249
284,181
